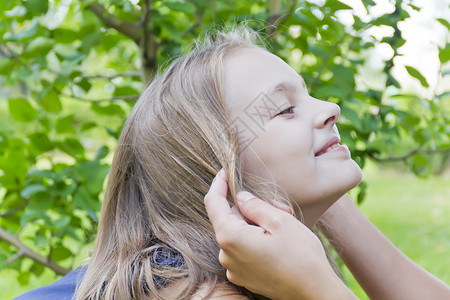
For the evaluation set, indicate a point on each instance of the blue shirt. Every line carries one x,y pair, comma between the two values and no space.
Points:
63,289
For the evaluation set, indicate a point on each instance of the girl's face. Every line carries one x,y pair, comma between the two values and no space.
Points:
286,135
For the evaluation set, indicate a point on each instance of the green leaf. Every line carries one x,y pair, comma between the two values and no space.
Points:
51,102
41,142
31,215
101,153
23,34
368,3
336,5
88,125
36,7
41,201
416,74
385,19
94,174
21,110
412,120
362,192
40,45
125,91
64,35
60,252
444,54
444,22
416,8
37,269
107,109
24,278
352,116
64,124
90,41
84,84
419,160
62,222
72,146
82,199
181,5
6,65
325,91
392,81
32,189
344,81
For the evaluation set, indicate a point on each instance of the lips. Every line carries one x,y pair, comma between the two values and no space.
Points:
332,143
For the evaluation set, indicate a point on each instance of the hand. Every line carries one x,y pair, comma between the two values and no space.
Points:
278,258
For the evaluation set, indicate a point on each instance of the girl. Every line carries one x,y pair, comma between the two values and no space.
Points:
228,103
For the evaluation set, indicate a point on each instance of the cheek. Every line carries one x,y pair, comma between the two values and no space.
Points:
290,162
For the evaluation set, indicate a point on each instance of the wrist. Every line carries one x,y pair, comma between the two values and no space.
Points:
321,284
338,210
336,289
332,288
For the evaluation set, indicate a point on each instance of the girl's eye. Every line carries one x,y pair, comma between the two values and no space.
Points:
289,110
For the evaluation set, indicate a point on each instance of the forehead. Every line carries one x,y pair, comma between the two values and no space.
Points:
250,73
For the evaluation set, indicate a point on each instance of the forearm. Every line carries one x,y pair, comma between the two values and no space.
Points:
382,270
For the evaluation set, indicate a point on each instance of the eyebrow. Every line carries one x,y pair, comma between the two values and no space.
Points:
284,86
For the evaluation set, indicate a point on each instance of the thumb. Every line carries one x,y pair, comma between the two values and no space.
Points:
260,212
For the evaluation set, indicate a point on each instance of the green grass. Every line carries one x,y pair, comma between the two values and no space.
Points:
413,213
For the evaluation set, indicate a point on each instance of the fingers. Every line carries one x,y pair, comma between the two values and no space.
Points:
216,202
237,213
282,206
260,212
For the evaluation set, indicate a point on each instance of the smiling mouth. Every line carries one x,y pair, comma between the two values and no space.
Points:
333,143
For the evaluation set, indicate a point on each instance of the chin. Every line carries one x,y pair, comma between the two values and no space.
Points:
354,178
349,180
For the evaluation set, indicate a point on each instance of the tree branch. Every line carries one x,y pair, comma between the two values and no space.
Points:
408,155
14,210
124,98
27,252
129,29
275,19
125,74
148,46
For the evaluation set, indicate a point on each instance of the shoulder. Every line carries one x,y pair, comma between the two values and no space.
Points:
63,289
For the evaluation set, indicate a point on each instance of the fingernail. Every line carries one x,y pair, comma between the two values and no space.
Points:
244,196
282,206
219,174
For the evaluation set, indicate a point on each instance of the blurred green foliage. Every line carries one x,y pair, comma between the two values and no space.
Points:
71,70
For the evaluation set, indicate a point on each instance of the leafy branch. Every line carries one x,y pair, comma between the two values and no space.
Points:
138,32
129,29
275,19
109,77
124,98
24,251
408,155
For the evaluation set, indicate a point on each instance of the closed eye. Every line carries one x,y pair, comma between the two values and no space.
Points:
289,110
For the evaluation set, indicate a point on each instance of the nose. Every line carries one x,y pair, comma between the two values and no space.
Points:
327,114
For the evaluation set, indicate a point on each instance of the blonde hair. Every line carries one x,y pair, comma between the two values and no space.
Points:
177,137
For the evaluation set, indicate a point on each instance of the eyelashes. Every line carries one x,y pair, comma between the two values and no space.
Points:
289,110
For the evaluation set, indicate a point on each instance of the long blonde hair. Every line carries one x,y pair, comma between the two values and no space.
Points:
177,137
